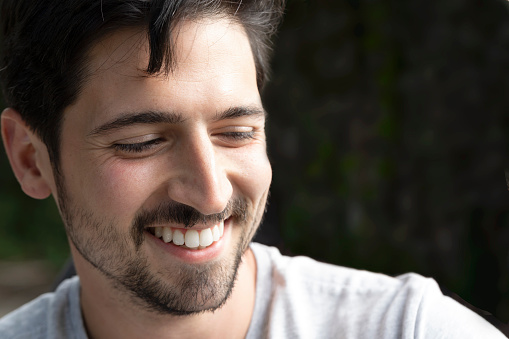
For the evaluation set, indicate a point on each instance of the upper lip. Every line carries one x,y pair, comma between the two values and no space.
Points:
197,227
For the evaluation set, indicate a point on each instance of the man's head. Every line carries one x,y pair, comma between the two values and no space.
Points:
46,45
140,115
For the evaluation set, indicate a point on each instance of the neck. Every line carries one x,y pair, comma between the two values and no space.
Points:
107,314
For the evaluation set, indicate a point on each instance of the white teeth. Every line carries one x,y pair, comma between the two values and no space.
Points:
206,237
215,233
192,239
167,234
158,231
178,237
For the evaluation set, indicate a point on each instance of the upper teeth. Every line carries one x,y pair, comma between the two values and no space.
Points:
191,238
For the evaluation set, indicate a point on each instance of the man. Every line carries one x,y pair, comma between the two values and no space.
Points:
143,120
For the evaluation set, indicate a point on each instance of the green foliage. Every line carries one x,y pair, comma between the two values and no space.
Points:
388,139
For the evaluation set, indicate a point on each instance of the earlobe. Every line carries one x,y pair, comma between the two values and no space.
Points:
22,150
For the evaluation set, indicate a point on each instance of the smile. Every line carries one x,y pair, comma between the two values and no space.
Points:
192,239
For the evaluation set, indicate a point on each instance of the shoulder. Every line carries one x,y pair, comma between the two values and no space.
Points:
51,315
327,278
346,302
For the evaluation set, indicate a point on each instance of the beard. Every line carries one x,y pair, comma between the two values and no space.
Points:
176,288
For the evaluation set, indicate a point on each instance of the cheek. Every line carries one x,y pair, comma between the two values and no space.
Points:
121,187
254,176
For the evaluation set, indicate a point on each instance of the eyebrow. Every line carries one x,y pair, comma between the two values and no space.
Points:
240,111
157,117
129,119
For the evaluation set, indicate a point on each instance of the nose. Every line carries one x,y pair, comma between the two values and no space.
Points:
201,179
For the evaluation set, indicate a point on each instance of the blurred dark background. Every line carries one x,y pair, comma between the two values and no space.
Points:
388,135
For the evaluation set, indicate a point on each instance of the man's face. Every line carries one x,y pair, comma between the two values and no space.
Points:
140,153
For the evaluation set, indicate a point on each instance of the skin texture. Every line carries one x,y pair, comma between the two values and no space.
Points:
190,156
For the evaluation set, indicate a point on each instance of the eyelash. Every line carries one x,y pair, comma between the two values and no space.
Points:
143,146
137,147
239,135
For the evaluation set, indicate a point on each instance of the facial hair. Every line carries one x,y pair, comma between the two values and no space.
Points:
178,288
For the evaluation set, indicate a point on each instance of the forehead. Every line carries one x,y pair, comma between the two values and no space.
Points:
212,59
193,42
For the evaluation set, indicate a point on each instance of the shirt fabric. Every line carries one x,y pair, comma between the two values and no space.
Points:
296,298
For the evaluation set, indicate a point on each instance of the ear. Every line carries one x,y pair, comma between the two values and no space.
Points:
24,152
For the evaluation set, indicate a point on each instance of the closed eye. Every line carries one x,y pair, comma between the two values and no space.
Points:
138,147
239,135
236,138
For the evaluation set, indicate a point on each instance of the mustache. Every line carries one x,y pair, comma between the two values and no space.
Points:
174,212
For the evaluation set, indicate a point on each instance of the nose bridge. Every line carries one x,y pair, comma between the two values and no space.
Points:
203,181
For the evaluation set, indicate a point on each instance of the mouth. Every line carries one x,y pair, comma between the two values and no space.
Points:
189,238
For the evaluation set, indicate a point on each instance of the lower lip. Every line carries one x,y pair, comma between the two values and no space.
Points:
194,256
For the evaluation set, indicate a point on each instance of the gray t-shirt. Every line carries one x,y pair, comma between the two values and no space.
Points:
296,298
301,298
